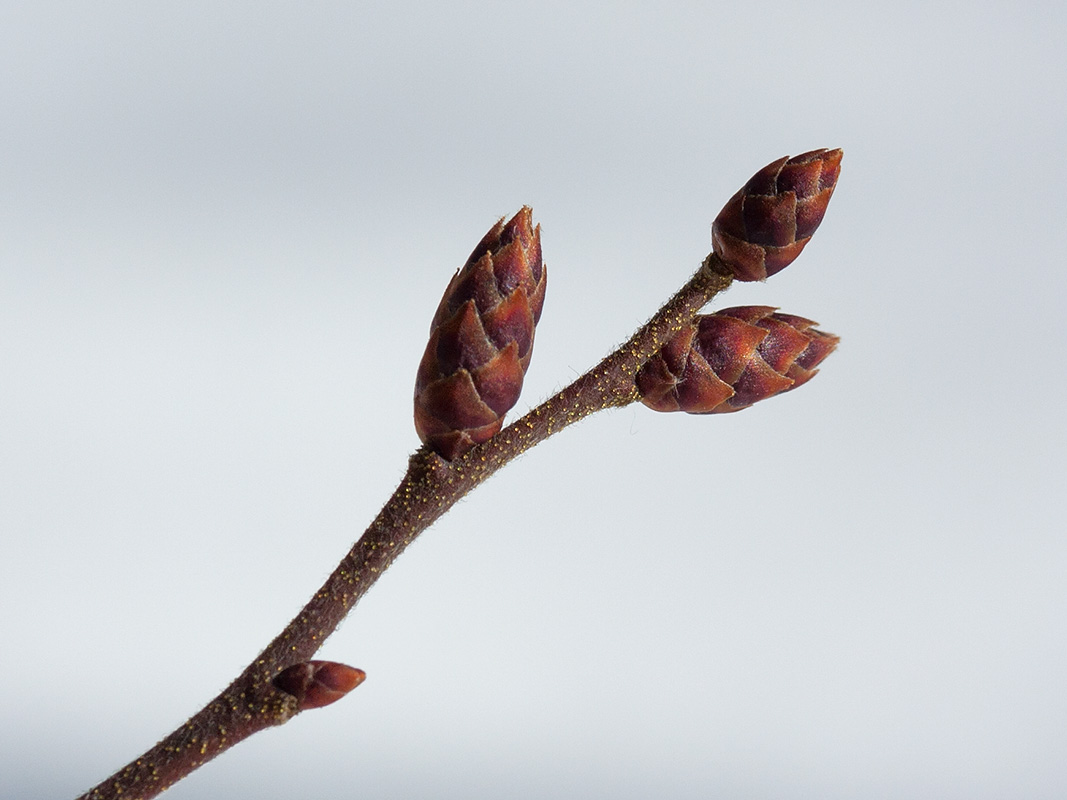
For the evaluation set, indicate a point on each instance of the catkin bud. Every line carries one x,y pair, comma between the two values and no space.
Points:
731,359
769,221
481,339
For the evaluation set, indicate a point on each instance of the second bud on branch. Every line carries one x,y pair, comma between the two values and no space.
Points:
481,339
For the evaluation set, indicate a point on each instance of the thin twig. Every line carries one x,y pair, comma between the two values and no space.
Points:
430,487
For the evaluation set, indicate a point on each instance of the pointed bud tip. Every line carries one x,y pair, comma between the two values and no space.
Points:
765,226
729,360
481,339
315,684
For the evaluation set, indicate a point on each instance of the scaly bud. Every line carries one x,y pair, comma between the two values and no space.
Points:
729,360
767,223
481,339
315,684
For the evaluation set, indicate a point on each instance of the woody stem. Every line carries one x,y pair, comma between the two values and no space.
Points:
430,487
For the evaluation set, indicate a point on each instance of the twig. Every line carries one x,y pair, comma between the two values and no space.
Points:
431,486
470,376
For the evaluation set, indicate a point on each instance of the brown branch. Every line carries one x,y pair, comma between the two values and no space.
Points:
431,486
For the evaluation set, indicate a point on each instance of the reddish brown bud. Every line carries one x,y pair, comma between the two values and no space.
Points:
481,339
767,223
728,360
315,684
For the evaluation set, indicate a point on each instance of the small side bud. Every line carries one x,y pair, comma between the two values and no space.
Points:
315,684
731,359
481,339
769,221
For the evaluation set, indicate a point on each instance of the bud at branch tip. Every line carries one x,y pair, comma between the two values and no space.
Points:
763,227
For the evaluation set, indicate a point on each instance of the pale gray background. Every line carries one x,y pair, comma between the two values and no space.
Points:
224,228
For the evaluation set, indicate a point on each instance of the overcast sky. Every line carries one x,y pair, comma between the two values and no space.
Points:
224,229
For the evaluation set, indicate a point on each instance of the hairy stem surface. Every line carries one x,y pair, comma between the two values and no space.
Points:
430,487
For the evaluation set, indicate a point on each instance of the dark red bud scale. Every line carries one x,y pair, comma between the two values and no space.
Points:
731,359
318,683
481,339
763,227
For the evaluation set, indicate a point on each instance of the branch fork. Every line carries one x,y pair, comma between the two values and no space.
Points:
480,346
